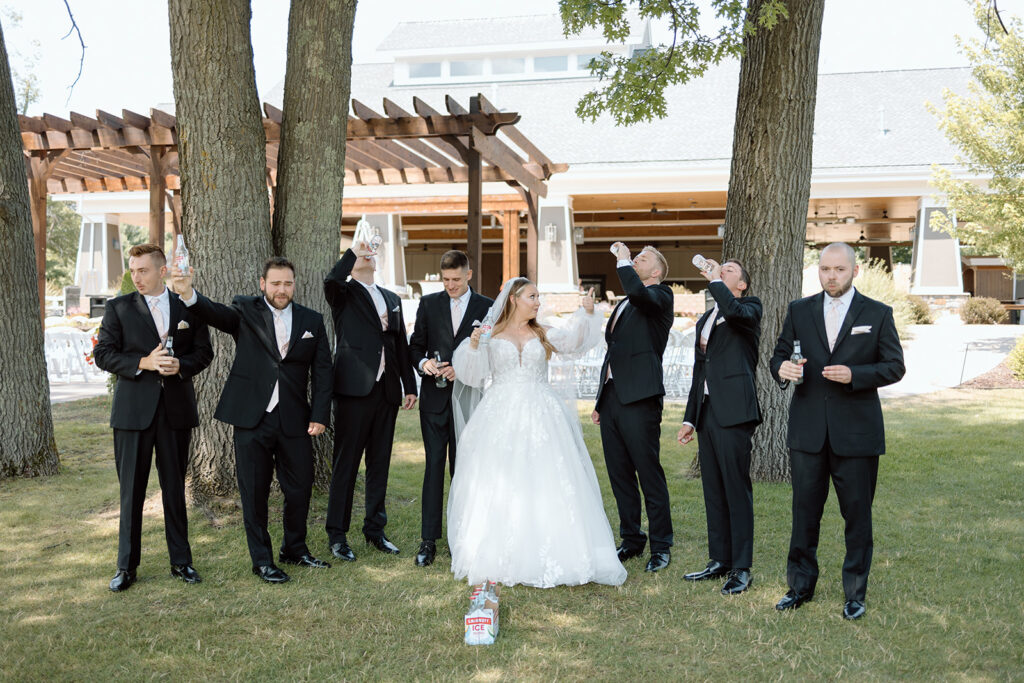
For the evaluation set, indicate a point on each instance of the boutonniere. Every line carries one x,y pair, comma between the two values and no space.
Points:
183,325
307,335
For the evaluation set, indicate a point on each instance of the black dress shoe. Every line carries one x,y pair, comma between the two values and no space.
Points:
739,581
270,573
657,562
792,600
305,560
425,555
853,609
341,551
714,570
626,553
122,580
382,544
185,572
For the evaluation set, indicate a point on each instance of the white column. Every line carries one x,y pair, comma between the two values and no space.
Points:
557,270
936,268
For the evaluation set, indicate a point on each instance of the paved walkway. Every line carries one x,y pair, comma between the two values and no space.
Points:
62,392
948,353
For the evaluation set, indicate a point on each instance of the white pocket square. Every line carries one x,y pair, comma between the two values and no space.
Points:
396,308
307,335
183,325
719,321
861,329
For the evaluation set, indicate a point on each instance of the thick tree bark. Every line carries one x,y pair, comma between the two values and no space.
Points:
769,186
311,160
225,211
27,446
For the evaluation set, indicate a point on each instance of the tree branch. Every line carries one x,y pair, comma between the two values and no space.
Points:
81,62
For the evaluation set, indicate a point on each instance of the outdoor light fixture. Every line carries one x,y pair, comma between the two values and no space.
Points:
550,232
403,238
577,236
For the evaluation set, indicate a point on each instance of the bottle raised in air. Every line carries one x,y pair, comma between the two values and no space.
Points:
181,255
701,263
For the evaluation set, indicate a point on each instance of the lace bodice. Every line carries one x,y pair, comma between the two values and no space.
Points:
509,364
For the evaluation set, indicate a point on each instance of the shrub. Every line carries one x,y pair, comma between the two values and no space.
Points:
982,310
1015,361
920,314
679,289
876,282
127,286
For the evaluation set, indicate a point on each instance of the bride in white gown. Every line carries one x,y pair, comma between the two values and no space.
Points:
525,506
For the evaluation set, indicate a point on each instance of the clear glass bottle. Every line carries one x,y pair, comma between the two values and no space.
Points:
701,263
181,255
440,381
796,357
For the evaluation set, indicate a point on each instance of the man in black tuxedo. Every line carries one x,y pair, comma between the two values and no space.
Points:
371,365
722,408
629,403
154,405
443,320
280,347
850,349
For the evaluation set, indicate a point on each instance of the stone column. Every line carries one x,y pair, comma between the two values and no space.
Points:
935,265
557,269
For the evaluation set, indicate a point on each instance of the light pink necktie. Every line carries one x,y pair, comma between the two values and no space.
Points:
832,324
158,319
456,315
384,326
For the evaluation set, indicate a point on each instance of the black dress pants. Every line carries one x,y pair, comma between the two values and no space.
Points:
724,455
438,431
370,427
259,452
631,436
854,479
133,456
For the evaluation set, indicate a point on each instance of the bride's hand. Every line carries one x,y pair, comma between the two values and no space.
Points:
587,301
474,339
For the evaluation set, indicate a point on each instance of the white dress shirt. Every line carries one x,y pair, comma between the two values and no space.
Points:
844,304
463,303
163,303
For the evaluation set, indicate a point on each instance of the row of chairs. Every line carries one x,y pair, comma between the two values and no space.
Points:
677,365
68,353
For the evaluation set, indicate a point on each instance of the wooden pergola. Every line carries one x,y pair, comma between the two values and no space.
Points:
110,153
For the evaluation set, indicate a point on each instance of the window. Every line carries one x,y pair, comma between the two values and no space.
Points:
548,64
508,65
583,61
469,68
425,70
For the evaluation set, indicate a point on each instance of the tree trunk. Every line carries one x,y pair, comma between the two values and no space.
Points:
311,159
225,212
769,186
27,446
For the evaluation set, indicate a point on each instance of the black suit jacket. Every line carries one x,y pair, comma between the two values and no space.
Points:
361,339
730,362
433,332
258,364
128,334
637,344
850,414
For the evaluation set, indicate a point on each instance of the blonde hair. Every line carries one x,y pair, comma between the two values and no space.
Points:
516,288
660,258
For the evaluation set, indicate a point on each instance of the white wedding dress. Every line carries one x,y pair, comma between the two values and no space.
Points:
525,506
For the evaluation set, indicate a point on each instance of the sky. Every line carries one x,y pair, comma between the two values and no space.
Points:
127,57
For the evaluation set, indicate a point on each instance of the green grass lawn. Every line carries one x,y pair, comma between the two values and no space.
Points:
945,598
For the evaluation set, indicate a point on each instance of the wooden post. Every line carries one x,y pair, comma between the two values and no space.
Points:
174,201
157,194
510,245
37,204
531,232
474,215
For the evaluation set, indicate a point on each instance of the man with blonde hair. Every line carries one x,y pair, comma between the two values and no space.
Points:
629,402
